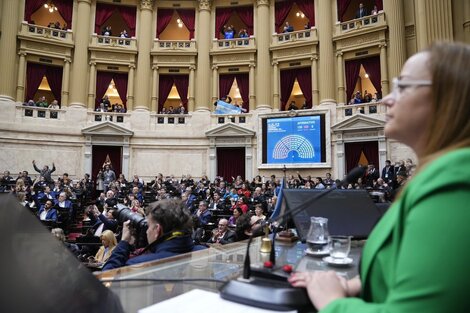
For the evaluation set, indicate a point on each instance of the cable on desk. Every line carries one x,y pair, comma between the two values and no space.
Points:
163,280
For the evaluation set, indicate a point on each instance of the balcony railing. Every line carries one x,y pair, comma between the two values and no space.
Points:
42,32
108,116
114,42
369,108
364,22
219,119
299,35
177,119
175,45
39,113
235,43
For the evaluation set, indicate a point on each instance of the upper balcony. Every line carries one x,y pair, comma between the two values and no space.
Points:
361,25
233,44
180,47
44,34
113,44
376,109
295,37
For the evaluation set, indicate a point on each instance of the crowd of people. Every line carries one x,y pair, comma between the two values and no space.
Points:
106,106
42,103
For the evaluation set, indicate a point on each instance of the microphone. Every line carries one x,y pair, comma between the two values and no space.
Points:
268,289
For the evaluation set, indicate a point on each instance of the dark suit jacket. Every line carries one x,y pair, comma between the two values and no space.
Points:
388,174
361,13
229,237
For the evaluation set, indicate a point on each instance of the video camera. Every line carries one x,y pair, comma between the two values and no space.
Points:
138,224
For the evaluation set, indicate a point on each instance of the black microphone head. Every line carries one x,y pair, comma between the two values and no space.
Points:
354,175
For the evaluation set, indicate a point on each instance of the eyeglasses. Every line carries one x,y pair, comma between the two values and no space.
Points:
400,85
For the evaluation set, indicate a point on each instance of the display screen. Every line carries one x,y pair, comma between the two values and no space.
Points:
294,140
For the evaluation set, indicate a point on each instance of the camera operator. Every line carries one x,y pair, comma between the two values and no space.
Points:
168,234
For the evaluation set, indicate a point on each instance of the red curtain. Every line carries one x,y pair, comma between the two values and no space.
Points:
120,81
99,154
372,67
379,4
222,15
65,8
34,74
128,14
164,88
282,10
182,84
163,19
103,79
352,69
103,12
353,152
342,8
308,8
230,162
54,77
188,18
243,81
30,7
246,16
287,82
304,77
225,83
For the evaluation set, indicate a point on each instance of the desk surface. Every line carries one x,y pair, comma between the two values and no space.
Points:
218,262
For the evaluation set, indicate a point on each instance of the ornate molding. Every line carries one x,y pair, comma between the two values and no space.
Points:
382,44
339,54
252,65
155,68
360,40
262,2
68,60
146,5
132,66
204,5
192,67
275,63
215,67
22,53
93,63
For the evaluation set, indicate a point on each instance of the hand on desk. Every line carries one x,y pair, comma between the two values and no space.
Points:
322,287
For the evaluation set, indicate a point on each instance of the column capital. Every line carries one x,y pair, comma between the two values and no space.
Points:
383,44
67,60
262,2
132,66
314,57
146,5
22,53
252,65
92,63
192,67
215,67
155,68
339,53
204,5
274,63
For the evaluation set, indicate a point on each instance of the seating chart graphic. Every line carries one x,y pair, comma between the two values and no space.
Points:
299,144
293,140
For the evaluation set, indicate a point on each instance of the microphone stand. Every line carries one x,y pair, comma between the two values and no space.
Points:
270,290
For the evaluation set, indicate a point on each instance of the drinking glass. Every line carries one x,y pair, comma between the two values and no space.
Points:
340,246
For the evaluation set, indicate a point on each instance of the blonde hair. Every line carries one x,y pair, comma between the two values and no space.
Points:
449,126
110,237
59,233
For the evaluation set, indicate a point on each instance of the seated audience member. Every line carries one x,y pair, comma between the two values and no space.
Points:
59,234
232,221
222,234
180,109
124,34
319,183
107,31
137,208
63,204
168,234
292,106
241,203
374,11
42,102
47,212
54,105
243,33
288,28
109,243
163,111
31,103
203,214
101,220
357,98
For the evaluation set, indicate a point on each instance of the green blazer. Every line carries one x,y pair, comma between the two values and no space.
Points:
417,258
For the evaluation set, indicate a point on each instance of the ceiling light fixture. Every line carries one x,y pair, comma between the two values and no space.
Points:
300,14
50,7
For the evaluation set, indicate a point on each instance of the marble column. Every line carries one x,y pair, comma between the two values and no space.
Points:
215,83
396,34
263,65
276,101
341,88
192,69
92,87
21,78
434,21
203,58
10,12
384,69
155,87
130,87
65,83
80,55
142,90
325,37
315,90
251,86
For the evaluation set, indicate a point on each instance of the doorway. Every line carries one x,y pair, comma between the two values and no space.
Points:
102,154
363,153
231,162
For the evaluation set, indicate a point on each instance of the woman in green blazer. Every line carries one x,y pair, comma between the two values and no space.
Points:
417,258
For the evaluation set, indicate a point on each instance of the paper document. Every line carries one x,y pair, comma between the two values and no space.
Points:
201,301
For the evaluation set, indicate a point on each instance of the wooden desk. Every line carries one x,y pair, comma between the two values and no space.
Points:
219,262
